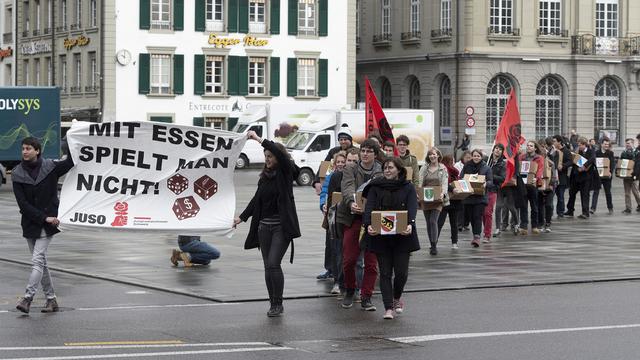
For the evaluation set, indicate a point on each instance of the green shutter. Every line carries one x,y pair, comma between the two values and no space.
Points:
178,74
198,121
293,17
232,16
231,123
198,75
323,78
243,16
292,77
274,77
143,73
199,16
163,119
232,75
274,22
145,14
243,75
178,15
323,26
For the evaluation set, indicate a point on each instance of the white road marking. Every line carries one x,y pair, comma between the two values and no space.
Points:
137,292
135,307
172,353
427,338
147,346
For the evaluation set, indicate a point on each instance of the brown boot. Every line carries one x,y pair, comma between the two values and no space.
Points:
50,306
24,304
186,259
175,257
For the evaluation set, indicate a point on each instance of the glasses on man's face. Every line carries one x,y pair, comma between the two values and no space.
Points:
402,144
366,151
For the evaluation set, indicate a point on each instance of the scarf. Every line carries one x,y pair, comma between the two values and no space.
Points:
388,199
32,167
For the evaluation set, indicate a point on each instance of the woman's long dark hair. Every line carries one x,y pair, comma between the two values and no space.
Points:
282,149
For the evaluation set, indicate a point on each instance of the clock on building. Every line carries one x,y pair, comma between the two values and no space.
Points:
123,57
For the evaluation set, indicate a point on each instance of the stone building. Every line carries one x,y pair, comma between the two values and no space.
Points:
7,43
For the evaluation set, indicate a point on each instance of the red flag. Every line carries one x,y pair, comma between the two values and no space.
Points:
509,134
375,120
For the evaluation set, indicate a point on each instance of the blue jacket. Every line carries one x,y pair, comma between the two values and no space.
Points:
324,191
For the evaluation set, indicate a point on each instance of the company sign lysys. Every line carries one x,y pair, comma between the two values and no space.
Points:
23,105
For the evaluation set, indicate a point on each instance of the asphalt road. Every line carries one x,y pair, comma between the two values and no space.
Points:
586,321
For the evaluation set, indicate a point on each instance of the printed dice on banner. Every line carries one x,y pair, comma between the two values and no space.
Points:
206,187
177,183
185,208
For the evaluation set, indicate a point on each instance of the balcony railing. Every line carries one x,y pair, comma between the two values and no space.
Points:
25,33
36,32
411,35
382,40
91,88
506,31
76,89
553,32
76,26
589,44
61,28
441,33
47,31
7,37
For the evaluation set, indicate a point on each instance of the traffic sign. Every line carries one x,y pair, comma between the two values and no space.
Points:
470,110
471,122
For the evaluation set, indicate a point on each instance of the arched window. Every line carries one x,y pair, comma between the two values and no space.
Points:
548,108
496,100
414,94
606,110
445,103
385,94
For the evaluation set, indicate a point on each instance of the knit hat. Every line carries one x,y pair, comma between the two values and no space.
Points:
345,132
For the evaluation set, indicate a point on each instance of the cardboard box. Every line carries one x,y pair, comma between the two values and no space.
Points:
531,175
604,167
547,173
545,185
357,197
389,222
477,183
560,156
624,168
578,159
336,197
326,168
464,190
409,173
429,197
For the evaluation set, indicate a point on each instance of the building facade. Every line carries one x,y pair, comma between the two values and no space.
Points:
572,64
203,62
59,44
7,42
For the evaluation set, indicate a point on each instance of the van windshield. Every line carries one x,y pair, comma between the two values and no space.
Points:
299,141
241,128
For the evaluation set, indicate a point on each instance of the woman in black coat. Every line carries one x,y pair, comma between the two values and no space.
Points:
274,220
475,204
392,192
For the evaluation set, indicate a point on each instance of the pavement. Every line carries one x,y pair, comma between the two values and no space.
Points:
603,248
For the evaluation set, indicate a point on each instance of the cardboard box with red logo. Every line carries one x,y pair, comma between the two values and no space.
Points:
390,222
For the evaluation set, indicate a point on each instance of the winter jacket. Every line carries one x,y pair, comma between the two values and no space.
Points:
353,177
587,175
538,159
567,162
411,161
38,199
443,175
499,172
480,169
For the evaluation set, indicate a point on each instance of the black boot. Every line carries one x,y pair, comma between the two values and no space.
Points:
24,305
276,308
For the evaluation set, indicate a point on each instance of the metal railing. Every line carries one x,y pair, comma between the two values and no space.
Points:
61,28
47,31
589,44
508,31
25,33
91,88
381,38
411,35
439,33
76,26
553,32
76,89
36,32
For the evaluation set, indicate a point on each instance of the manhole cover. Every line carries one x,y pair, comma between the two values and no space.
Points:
345,345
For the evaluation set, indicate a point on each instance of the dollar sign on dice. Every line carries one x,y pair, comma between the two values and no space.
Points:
188,204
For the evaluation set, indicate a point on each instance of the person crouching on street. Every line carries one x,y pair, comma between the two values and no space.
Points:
35,186
274,220
392,192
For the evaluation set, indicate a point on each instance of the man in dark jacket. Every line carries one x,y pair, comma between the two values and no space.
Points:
35,186
603,152
580,180
630,187
563,164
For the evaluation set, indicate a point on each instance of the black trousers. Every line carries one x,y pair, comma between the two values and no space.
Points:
583,188
452,211
392,264
545,207
606,185
530,201
476,211
560,190
273,246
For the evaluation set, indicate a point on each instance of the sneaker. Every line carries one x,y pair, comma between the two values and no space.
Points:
433,250
547,229
496,234
455,246
583,216
357,298
560,216
340,295
347,302
638,208
398,306
275,310
515,230
535,231
24,304
465,228
325,276
523,232
367,305
388,314
486,240
175,257
626,211
186,259
568,214
610,211
50,306
335,290
592,211
475,242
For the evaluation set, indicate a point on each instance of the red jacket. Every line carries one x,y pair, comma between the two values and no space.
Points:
539,159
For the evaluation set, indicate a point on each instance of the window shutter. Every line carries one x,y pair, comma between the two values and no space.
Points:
231,123
199,15
323,26
323,77
178,74
162,119
292,77
143,73
232,16
145,14
243,16
198,121
293,17
178,15
274,21
198,75
274,77
243,75
232,75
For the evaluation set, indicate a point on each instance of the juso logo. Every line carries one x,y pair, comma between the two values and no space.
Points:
23,105
89,218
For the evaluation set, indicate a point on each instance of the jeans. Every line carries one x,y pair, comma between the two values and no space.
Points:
560,190
531,200
395,263
431,217
508,201
476,211
545,207
39,269
606,184
273,246
629,188
487,218
350,254
199,251
452,211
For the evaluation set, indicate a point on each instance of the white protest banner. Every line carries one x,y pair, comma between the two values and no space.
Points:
150,176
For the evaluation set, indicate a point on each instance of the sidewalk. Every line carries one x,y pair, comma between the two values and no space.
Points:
606,247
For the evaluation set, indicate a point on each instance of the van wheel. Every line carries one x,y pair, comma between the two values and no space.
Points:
305,178
242,162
